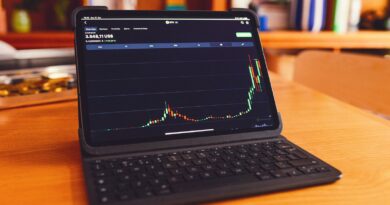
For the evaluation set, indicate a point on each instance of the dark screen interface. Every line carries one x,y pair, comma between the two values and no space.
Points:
150,79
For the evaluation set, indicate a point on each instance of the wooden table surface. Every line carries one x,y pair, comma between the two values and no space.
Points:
325,39
40,157
270,39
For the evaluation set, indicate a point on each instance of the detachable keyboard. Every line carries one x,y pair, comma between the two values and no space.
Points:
132,178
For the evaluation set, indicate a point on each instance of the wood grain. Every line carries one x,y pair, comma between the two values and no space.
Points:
274,39
37,99
360,80
40,158
39,40
326,39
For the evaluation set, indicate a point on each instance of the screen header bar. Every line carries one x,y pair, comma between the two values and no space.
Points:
164,19
168,45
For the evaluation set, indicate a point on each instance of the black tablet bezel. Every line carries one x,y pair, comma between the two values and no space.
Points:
216,136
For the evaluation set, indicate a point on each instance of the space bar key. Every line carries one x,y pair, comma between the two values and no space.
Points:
215,182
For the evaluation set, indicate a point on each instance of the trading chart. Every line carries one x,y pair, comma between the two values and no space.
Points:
148,90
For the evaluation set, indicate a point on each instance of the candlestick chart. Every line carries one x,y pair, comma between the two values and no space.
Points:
254,72
183,95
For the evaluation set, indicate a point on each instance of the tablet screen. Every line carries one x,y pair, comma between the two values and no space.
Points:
153,78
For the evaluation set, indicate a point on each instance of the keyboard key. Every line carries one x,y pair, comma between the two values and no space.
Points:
156,181
112,164
253,168
214,182
242,156
208,167
143,193
100,181
292,156
176,171
152,167
130,163
138,183
104,199
212,159
103,189
238,171
97,167
322,169
268,166
101,174
160,173
143,175
193,169
198,161
123,186
299,154
266,160
184,163
175,179
124,196
307,169
278,173
174,158
169,165
162,186
216,153
280,152
206,175
223,165
201,155
267,146
125,163
190,177
237,164
163,191
223,173
227,158
291,172
126,177
251,161
280,158
282,165
97,161
301,162
143,161
188,156
263,176
283,146
255,155
119,171
136,169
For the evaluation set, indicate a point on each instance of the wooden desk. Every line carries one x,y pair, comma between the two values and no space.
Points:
39,40
273,39
326,40
40,158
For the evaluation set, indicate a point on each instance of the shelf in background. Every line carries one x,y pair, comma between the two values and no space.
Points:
39,40
274,39
326,39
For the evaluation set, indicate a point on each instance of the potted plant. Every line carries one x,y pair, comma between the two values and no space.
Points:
21,22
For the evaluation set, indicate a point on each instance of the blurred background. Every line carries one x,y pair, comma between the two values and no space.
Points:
307,41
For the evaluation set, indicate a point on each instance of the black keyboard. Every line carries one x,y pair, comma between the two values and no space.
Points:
130,178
